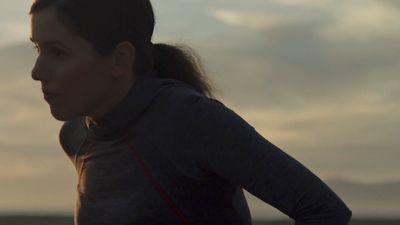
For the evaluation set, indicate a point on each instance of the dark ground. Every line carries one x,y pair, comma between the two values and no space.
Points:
66,220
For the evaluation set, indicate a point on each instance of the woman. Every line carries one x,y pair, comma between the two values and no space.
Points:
150,144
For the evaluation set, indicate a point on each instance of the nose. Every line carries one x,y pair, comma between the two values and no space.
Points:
39,73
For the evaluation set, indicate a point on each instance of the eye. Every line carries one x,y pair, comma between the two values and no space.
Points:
57,51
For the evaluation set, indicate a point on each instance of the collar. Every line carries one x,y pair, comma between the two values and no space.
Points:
115,123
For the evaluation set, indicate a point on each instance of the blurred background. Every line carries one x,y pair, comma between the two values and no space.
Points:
315,77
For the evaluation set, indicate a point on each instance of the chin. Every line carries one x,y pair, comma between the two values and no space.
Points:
62,115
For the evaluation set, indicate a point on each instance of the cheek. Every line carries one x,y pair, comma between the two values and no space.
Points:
85,86
74,83
73,79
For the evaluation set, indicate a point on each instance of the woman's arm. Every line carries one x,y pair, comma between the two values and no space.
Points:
234,150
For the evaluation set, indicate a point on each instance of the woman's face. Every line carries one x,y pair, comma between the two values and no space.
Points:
75,80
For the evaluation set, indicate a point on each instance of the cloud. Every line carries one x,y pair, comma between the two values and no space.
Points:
14,21
252,20
363,20
13,31
39,183
16,166
303,3
25,120
360,20
304,64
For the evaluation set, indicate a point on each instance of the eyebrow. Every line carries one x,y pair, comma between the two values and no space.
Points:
48,42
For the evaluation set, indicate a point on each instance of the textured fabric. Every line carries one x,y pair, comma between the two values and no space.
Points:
169,155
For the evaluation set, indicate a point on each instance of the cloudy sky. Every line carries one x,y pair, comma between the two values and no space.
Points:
319,78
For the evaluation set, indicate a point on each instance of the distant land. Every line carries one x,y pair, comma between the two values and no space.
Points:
68,220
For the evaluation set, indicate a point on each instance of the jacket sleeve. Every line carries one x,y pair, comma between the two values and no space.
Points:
235,151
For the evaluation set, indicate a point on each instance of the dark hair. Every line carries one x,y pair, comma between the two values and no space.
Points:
105,23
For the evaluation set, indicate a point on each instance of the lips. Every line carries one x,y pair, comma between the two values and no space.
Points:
49,95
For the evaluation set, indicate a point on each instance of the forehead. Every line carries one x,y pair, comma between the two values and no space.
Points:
47,26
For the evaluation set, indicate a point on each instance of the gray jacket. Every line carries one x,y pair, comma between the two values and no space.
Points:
169,155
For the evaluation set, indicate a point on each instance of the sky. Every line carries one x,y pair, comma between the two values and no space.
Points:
318,78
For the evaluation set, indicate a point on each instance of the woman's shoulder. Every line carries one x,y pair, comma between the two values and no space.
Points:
72,134
180,110
184,98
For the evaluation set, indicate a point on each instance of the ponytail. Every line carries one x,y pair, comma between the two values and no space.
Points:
181,62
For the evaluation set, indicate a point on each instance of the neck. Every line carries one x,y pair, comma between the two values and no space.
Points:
114,97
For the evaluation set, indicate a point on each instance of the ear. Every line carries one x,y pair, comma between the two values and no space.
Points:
123,59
